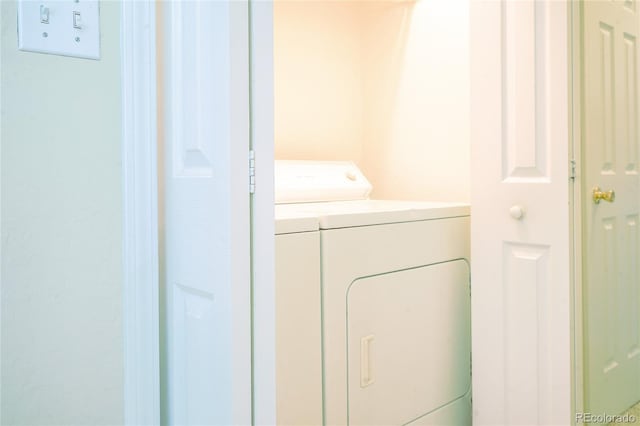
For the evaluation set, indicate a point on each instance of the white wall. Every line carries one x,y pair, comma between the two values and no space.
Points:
417,99
62,350
318,80
383,83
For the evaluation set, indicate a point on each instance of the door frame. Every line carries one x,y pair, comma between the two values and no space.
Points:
263,302
0,219
140,214
575,202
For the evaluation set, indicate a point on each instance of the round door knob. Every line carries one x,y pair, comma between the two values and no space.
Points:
517,212
599,194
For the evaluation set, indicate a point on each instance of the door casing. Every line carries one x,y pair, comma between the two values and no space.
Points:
575,201
140,214
262,213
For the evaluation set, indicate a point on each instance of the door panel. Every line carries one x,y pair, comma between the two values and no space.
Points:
206,362
521,312
610,234
526,295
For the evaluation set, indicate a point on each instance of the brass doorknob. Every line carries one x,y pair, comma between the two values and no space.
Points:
598,195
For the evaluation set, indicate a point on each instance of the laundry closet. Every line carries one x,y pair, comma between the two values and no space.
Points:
373,97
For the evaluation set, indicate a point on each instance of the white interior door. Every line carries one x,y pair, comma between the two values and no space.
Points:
521,293
206,361
611,230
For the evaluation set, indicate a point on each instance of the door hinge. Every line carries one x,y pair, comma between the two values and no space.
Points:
572,169
252,172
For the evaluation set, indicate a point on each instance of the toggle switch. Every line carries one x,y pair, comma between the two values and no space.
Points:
44,14
77,20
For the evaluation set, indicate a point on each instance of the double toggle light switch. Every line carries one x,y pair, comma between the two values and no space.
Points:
60,27
45,13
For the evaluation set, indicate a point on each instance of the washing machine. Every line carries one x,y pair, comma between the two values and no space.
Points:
395,299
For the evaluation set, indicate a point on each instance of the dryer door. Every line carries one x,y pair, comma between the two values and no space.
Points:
408,344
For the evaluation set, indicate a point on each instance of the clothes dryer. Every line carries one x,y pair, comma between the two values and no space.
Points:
395,292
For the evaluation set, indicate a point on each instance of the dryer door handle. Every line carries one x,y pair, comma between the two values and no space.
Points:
366,368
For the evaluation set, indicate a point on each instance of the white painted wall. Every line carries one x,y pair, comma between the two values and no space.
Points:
383,83
62,349
318,80
417,99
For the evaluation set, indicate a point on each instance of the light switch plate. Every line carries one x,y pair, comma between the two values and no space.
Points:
60,27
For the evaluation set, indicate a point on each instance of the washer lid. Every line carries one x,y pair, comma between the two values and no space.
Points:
312,181
344,214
